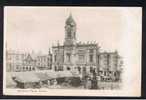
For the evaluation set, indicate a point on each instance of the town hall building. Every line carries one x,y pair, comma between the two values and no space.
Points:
77,56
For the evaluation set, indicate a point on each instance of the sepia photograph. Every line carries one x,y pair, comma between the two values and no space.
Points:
72,51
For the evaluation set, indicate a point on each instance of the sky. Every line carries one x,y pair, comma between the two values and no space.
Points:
38,28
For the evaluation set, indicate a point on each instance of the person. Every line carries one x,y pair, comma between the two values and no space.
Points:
55,84
94,80
94,83
48,82
84,80
88,83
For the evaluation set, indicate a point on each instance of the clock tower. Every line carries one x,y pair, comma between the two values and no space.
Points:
70,31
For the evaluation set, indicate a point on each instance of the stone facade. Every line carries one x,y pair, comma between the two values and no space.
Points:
71,55
74,55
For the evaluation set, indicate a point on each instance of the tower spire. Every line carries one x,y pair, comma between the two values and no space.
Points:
70,14
70,31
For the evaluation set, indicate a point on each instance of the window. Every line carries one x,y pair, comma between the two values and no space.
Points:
68,57
91,51
69,32
79,69
33,68
84,69
81,58
91,58
91,69
22,56
81,51
29,68
55,58
26,68
55,68
17,57
17,67
60,68
49,66
68,68
9,57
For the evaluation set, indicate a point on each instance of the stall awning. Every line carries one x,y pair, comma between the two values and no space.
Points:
26,77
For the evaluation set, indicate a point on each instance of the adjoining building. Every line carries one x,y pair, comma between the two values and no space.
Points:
14,60
17,62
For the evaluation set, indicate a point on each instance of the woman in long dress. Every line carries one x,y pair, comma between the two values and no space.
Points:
88,83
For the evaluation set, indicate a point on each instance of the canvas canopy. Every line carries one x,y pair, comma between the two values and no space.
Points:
40,76
26,77
65,74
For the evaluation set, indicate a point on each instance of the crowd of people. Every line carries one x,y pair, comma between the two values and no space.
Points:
90,80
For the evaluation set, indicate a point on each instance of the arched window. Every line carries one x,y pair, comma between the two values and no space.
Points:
91,51
29,68
79,69
23,68
55,58
26,68
68,57
61,68
81,58
91,69
68,68
55,68
17,67
91,58
68,29
33,68
84,69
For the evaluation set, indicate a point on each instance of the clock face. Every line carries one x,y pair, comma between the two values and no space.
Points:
72,24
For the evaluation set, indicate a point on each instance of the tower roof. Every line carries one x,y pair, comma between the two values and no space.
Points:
70,20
